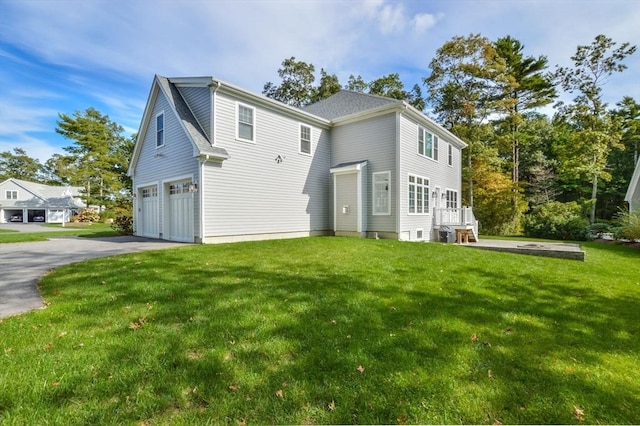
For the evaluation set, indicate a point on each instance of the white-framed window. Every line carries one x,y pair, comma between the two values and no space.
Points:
160,130
179,188
246,127
382,193
452,199
428,144
11,195
418,195
305,139
150,192
449,155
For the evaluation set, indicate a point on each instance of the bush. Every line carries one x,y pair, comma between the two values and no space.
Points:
86,216
629,225
558,221
122,220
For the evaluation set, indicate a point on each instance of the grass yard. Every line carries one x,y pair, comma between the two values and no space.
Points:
326,331
94,230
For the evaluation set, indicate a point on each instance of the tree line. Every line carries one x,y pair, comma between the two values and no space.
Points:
488,93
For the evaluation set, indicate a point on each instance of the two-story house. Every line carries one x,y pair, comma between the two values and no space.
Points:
215,163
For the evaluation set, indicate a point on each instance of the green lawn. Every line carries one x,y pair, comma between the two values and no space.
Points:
93,230
326,331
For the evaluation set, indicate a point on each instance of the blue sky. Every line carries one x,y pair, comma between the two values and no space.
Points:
61,56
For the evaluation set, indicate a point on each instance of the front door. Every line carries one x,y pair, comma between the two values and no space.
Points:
180,212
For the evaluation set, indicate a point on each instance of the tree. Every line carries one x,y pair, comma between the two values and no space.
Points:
95,158
596,131
329,85
297,87
19,165
356,84
460,91
525,88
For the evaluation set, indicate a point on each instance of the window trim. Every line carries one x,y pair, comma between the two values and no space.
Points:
374,211
11,194
253,124
450,155
422,144
426,195
300,151
448,200
160,114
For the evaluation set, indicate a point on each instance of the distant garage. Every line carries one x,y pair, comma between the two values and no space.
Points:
26,202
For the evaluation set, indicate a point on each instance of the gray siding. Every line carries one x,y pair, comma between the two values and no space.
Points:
173,160
251,193
199,101
374,140
440,174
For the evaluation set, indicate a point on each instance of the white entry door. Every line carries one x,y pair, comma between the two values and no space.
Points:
180,214
148,222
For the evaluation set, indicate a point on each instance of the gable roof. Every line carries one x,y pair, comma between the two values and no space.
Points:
54,196
633,183
188,121
347,102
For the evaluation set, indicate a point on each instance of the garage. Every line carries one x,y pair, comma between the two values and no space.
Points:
179,212
148,219
13,215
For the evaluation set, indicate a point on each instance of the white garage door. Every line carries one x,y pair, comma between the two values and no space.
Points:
149,212
180,214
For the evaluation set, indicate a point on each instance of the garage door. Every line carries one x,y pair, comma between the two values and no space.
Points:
149,212
180,214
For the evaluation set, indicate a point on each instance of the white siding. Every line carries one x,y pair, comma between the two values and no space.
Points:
251,193
439,173
374,140
174,159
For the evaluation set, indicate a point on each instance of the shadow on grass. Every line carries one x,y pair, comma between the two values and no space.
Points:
386,337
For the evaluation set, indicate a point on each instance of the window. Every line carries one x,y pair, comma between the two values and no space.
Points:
381,193
450,155
305,139
246,123
418,195
427,144
452,199
150,192
11,195
160,130
179,188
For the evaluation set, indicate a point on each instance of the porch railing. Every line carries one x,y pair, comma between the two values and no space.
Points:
456,217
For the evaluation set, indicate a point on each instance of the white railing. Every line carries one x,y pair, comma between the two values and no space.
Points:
456,217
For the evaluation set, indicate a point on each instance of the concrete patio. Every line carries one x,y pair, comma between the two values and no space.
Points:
533,248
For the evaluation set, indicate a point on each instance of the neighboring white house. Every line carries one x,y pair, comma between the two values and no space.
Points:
214,162
24,201
633,193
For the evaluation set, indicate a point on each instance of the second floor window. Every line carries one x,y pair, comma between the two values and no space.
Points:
160,130
427,144
246,123
11,195
305,139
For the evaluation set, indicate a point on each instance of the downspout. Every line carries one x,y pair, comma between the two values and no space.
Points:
201,195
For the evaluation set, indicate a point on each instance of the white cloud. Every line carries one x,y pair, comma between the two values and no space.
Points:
424,21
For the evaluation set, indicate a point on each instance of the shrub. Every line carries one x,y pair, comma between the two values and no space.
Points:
558,221
122,220
629,225
86,216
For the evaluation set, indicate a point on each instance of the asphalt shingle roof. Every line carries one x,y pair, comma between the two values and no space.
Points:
346,102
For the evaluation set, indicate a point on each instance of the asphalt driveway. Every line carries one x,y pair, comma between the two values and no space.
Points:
23,264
